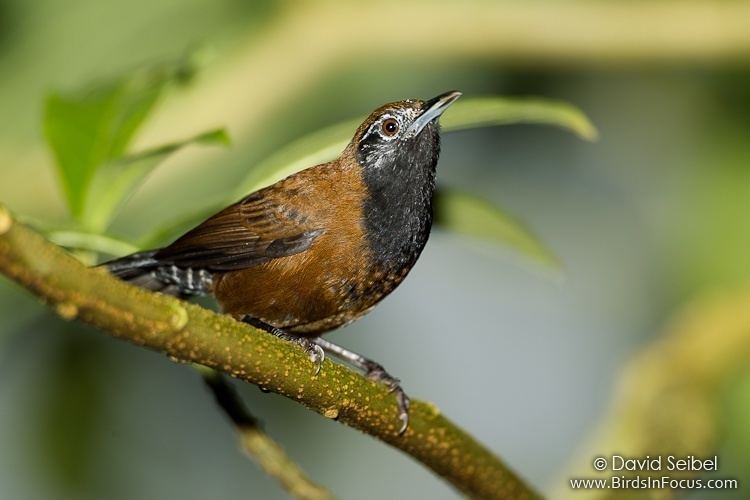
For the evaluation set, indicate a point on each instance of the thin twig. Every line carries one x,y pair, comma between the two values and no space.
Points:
257,444
190,333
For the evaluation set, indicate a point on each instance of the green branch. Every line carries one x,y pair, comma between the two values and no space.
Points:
190,333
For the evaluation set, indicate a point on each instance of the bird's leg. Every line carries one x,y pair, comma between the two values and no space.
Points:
316,352
373,371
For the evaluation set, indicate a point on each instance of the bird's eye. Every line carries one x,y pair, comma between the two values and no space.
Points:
390,127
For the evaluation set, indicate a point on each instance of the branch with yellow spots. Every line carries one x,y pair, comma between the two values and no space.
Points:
189,333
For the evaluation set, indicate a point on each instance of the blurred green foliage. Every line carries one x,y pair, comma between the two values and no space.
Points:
649,217
471,216
90,132
117,180
74,401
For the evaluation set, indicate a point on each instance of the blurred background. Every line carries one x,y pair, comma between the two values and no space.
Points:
651,222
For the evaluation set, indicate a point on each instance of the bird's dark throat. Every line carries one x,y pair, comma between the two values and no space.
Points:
398,207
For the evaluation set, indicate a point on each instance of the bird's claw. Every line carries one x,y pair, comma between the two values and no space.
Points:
315,352
377,373
403,408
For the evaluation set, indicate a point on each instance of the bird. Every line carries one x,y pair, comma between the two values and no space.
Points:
319,249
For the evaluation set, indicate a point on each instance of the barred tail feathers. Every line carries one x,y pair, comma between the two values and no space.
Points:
139,269
143,269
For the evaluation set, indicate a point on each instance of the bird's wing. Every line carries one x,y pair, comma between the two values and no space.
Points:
255,230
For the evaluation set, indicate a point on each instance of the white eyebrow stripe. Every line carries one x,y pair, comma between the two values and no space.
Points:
375,127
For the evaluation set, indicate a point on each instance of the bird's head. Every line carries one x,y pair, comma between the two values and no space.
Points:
402,134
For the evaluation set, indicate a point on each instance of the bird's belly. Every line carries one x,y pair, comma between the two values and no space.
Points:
306,294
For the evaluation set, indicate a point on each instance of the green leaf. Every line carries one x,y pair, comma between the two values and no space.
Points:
492,110
309,150
99,243
87,129
115,181
472,216
172,230
327,143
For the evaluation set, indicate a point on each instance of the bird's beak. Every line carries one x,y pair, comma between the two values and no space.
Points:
432,110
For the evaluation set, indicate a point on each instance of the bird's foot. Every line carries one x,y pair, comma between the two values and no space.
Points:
314,351
375,371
